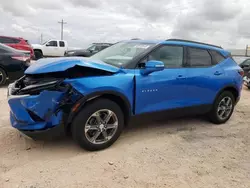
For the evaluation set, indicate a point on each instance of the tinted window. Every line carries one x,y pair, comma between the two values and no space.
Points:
61,43
199,58
52,43
103,47
15,41
246,62
217,56
171,56
5,40
98,48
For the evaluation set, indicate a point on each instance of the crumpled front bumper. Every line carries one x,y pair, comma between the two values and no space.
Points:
36,116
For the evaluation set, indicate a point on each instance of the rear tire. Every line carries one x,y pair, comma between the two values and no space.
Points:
3,77
221,112
87,119
38,54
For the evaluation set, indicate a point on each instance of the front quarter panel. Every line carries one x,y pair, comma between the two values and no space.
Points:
122,83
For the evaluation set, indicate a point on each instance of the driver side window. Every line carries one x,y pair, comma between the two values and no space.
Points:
171,56
52,43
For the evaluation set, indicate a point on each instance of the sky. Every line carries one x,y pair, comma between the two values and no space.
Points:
221,22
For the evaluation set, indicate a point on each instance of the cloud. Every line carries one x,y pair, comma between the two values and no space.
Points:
223,22
87,3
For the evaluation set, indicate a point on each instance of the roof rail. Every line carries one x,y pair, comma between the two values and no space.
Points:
181,40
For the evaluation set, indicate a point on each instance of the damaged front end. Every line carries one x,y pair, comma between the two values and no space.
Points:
38,105
42,100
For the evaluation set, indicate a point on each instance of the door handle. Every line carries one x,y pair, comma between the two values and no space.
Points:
179,77
217,73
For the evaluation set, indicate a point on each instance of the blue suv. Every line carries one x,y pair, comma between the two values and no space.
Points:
94,98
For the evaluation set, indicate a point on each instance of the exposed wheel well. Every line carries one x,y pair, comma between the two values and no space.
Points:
232,90
123,105
38,50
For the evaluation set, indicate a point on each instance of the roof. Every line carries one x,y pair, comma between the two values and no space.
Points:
180,42
11,37
185,43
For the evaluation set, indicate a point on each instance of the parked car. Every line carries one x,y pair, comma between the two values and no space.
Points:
93,49
13,63
50,48
18,43
94,98
245,65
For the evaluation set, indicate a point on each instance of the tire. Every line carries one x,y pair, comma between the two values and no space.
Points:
78,127
3,77
38,54
214,116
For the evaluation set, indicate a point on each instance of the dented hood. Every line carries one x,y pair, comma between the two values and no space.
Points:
48,65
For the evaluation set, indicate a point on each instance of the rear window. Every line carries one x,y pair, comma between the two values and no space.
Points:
62,44
199,57
6,40
217,56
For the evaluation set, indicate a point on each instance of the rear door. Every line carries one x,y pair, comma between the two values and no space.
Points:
204,76
62,48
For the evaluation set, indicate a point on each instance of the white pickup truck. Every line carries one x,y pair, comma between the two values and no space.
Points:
51,48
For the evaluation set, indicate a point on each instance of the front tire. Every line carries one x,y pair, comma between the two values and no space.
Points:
98,125
38,54
223,108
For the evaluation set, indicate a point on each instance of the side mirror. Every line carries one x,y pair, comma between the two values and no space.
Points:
47,44
152,66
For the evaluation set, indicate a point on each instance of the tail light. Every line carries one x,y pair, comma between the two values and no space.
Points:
21,58
241,72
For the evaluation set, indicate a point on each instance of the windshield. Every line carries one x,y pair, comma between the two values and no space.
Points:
92,47
121,53
45,42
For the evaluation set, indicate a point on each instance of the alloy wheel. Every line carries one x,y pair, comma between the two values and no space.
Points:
101,126
225,108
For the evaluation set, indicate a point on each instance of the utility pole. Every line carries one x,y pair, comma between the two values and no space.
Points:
41,38
62,23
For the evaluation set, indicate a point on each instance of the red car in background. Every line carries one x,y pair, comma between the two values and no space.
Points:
18,43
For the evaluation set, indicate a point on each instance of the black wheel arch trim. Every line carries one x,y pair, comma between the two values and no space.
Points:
225,88
94,95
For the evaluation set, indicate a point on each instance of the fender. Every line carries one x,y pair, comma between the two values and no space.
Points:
81,102
229,86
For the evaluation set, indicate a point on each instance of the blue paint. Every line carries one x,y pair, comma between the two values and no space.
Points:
48,65
147,91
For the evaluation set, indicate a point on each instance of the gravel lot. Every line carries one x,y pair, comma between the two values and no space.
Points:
188,152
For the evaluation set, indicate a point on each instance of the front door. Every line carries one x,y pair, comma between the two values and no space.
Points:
165,89
50,48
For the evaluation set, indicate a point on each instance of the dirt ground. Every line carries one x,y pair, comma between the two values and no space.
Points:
187,152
